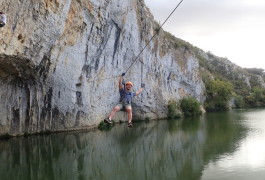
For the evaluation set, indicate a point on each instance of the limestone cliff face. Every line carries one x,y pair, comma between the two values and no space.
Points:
59,62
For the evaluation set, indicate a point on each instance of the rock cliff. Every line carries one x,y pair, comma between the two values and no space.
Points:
222,68
60,62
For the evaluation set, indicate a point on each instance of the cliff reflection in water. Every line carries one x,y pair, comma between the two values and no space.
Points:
155,150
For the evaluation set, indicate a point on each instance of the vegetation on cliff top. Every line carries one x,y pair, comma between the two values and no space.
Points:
244,86
226,83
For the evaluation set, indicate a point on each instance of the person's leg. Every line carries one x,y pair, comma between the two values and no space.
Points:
112,114
129,113
114,110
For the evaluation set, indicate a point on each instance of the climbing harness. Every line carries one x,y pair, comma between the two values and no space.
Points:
2,19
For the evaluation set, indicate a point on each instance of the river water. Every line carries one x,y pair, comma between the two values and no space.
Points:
216,146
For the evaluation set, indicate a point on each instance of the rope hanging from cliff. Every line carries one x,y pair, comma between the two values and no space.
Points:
156,32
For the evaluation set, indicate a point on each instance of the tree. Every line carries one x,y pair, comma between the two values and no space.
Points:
218,93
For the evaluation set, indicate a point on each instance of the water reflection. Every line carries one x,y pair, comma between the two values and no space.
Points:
248,161
182,149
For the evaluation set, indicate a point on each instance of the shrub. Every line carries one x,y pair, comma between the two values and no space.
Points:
157,29
239,102
172,108
190,107
218,93
104,126
256,98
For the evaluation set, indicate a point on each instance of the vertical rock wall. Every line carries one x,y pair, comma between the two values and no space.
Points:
60,61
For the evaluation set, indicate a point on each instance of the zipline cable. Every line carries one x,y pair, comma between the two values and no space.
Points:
156,32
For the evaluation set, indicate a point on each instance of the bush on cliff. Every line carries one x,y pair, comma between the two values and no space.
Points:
173,110
190,107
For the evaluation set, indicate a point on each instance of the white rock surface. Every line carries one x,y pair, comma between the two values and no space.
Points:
59,62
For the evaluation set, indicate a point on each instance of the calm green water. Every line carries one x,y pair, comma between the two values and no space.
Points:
228,146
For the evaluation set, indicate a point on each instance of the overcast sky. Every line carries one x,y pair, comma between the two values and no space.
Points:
234,29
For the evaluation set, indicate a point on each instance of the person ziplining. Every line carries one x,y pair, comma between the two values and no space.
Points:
2,19
126,96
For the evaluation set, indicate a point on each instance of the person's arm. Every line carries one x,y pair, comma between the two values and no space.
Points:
140,90
120,82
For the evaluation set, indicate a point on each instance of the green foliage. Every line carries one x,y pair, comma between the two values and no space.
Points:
240,88
239,102
250,98
203,62
254,81
172,108
218,94
178,43
210,54
105,126
190,107
250,101
205,75
258,93
231,79
157,29
256,98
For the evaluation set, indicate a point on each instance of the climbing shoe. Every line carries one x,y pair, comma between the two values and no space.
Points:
107,120
130,124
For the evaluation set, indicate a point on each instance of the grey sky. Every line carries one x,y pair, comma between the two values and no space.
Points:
233,29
